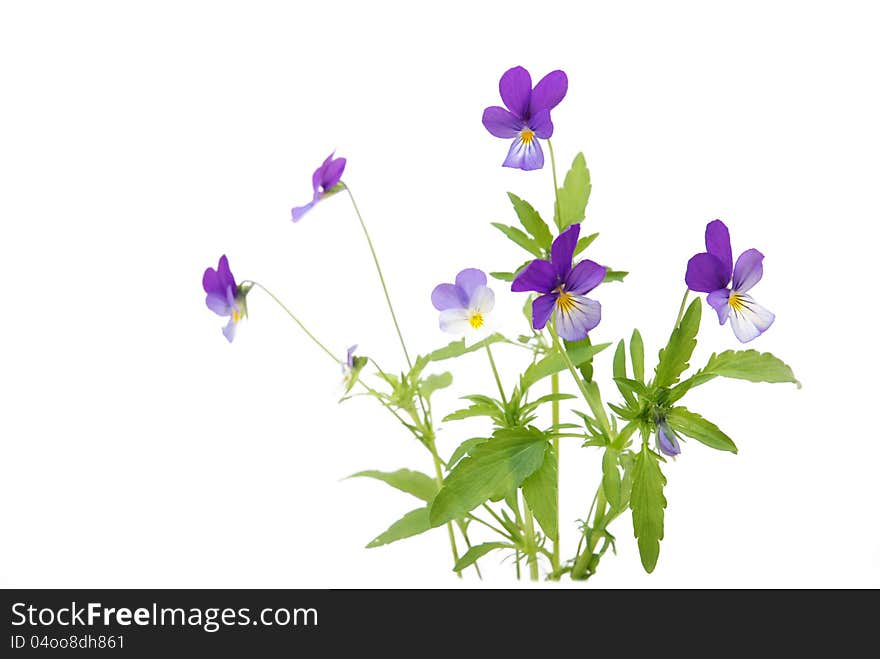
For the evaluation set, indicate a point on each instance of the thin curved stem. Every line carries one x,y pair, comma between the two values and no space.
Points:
556,218
554,407
495,373
681,308
379,271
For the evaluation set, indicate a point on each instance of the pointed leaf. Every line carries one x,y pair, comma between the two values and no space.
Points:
541,491
413,523
434,382
476,552
750,365
585,242
611,477
412,482
532,222
554,363
458,348
647,503
464,448
674,357
637,354
521,239
574,194
693,425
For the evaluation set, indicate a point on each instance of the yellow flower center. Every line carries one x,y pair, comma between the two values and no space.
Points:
526,135
736,302
236,315
476,320
565,302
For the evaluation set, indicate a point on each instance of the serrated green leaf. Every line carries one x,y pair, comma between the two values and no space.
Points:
412,482
693,425
675,356
472,411
499,465
413,523
541,491
532,222
611,477
647,503
458,348
585,242
477,552
574,194
637,355
554,363
434,382
615,275
520,238
463,449
750,365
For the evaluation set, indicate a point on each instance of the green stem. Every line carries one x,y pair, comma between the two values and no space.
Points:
531,549
556,217
295,319
381,276
495,373
554,387
438,476
681,308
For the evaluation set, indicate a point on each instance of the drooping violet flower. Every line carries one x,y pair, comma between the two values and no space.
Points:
527,116
465,305
713,271
564,288
224,297
667,440
348,364
325,178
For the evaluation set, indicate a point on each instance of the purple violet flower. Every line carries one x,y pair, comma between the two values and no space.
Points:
713,270
325,178
224,297
564,288
465,305
667,440
527,116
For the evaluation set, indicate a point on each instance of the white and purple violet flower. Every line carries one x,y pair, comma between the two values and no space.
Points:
564,288
465,305
713,272
224,297
527,116
324,179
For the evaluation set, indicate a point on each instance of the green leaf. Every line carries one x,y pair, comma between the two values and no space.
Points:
674,357
615,275
585,242
503,276
619,371
750,365
574,194
477,552
633,385
463,449
611,477
351,377
434,382
532,222
458,348
678,391
412,482
585,368
637,353
472,411
554,363
541,493
521,239
414,522
647,503
693,425
499,465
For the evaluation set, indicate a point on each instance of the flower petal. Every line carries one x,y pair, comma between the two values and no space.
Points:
218,304
296,214
576,323
584,277
501,123
542,307
705,273
516,90
718,245
455,321
526,156
748,271
541,125
482,301
562,250
211,283
469,280
224,274
667,441
448,296
549,92
349,356
229,330
538,276
750,319
332,173
718,301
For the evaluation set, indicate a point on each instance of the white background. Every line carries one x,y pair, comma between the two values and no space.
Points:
139,141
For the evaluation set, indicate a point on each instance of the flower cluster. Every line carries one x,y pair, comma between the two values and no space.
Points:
510,472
